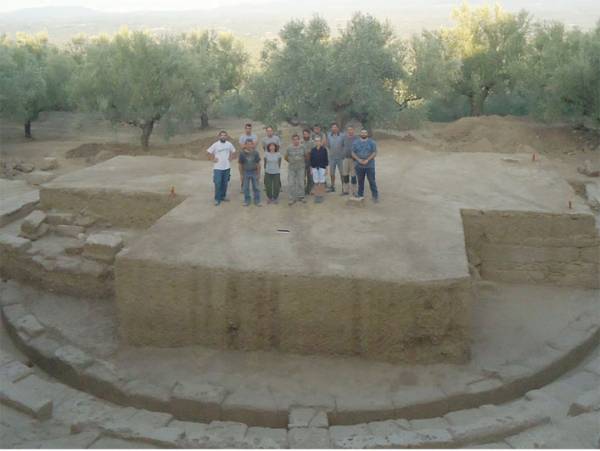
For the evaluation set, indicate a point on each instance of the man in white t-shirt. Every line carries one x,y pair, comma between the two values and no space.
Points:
221,153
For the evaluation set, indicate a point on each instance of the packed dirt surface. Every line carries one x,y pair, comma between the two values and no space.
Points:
80,140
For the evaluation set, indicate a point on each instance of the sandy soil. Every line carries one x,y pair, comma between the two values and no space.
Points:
79,140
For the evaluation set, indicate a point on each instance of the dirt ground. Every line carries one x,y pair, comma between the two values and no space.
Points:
80,140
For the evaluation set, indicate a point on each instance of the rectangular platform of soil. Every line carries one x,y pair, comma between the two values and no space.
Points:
306,280
386,281
126,191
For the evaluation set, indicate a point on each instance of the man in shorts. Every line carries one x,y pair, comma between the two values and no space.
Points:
348,172
335,141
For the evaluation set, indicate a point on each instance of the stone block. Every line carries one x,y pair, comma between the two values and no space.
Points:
308,438
39,177
492,429
67,230
356,436
14,371
55,218
147,418
197,402
420,402
24,167
41,349
304,417
146,395
429,423
586,402
34,226
425,438
265,438
362,408
254,407
388,427
167,437
460,417
73,357
218,434
11,243
25,401
81,440
103,381
12,313
85,220
29,325
102,246
119,443
49,163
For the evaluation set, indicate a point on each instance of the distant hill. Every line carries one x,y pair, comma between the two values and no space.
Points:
255,22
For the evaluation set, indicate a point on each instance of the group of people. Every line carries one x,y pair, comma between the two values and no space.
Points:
310,158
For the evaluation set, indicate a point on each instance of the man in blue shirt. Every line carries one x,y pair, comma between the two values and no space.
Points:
364,151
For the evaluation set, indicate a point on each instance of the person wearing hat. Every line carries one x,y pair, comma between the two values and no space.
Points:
364,151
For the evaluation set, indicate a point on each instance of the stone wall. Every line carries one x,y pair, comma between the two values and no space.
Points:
163,305
528,247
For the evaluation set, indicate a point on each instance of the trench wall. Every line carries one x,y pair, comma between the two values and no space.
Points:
528,247
163,305
122,209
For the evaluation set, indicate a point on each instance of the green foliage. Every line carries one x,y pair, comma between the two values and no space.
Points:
560,76
312,78
33,78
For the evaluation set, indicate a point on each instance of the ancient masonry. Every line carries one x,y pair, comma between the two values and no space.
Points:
392,285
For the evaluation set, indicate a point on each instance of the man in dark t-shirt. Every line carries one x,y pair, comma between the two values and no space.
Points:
249,164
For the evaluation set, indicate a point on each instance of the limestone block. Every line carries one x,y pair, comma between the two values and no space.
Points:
102,380
350,436
14,312
168,437
33,226
39,177
218,434
495,428
388,427
144,417
308,438
198,402
76,441
119,443
25,401
362,408
73,357
29,325
68,230
55,218
14,371
75,248
42,349
85,220
420,402
586,402
592,192
49,163
429,423
303,417
425,438
102,246
254,408
146,395
265,438
24,167
11,243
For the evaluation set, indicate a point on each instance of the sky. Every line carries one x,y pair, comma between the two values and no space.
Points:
127,5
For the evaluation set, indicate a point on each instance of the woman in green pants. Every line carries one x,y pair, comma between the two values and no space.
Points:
272,173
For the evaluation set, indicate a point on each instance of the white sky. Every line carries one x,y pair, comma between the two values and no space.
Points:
126,5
